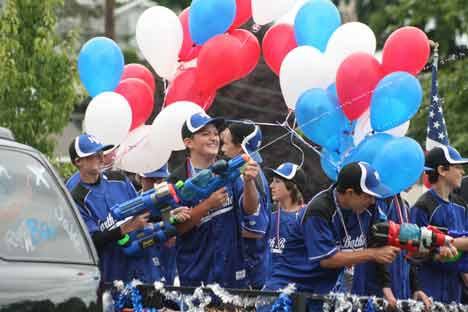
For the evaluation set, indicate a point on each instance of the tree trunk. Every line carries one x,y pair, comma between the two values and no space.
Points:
348,10
109,22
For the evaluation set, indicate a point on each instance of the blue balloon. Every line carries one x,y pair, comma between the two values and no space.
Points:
400,163
368,148
396,99
100,65
346,140
208,18
320,118
315,23
330,162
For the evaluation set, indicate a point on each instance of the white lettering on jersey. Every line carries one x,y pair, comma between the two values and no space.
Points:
357,243
277,246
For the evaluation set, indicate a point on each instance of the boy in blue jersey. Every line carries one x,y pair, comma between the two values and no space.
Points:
336,225
440,207
240,137
289,263
402,282
211,247
166,252
95,194
107,162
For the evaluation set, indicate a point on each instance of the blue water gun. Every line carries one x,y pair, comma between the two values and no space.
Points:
135,242
167,196
207,181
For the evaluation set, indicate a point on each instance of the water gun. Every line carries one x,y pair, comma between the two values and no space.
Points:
167,196
135,242
409,236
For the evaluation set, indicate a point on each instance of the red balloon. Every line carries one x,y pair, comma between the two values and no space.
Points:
356,80
218,62
407,49
189,49
141,72
243,13
185,87
278,41
140,98
250,51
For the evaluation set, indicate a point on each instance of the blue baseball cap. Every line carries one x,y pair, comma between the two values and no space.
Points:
443,155
86,145
361,175
162,172
249,135
197,121
291,172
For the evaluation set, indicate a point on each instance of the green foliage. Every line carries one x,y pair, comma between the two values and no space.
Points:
64,169
443,21
37,76
175,4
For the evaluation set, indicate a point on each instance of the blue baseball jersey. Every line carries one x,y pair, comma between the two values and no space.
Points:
94,202
73,181
399,269
168,263
213,251
328,229
257,253
289,261
440,280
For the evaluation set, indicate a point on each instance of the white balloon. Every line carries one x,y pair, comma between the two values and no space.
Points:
363,128
136,155
167,126
289,17
400,130
108,117
302,69
348,39
266,11
159,36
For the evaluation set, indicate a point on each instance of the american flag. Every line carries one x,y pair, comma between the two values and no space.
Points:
436,128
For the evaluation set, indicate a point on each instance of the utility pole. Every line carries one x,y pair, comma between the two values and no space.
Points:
109,19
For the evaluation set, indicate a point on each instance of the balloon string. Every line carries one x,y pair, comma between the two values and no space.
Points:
291,139
312,120
120,155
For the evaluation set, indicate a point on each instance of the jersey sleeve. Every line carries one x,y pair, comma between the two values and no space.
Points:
419,216
318,237
90,221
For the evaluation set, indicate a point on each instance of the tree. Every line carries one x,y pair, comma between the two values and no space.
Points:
444,22
175,4
38,76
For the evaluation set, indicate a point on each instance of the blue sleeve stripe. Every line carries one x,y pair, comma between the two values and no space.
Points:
331,252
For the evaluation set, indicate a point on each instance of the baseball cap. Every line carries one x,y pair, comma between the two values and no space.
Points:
443,155
162,172
360,175
197,121
250,136
293,173
86,145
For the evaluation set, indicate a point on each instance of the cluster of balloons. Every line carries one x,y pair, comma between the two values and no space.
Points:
122,95
345,100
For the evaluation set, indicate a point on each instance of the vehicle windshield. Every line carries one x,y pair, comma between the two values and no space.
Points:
36,220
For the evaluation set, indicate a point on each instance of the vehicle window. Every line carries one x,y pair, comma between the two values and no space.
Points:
36,221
